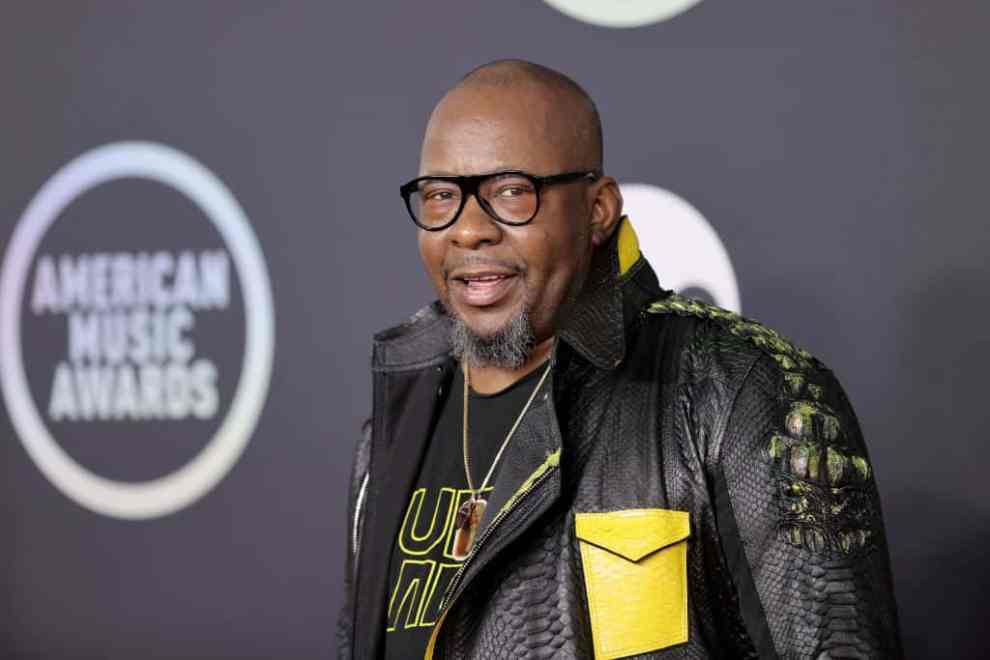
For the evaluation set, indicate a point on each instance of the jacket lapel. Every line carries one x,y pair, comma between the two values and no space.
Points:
399,439
536,439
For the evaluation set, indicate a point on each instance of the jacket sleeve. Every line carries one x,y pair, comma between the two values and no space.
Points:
354,520
799,518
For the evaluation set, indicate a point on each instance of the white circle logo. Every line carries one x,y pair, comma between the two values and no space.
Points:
680,244
169,493
621,13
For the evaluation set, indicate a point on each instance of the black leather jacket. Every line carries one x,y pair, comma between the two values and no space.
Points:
695,487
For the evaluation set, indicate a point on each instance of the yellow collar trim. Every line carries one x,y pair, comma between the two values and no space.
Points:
628,245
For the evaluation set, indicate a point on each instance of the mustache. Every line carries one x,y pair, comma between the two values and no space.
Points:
479,261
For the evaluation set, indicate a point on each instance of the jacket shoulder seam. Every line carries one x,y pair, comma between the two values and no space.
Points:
769,341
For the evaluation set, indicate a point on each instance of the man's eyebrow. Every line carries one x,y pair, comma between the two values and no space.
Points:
438,173
496,170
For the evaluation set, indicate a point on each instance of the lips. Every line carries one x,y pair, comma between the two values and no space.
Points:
481,288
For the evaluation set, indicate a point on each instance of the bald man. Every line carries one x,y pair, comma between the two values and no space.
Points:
565,460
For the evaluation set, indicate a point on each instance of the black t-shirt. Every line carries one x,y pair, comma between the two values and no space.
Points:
422,563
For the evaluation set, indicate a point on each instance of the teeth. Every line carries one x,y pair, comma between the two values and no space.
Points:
485,278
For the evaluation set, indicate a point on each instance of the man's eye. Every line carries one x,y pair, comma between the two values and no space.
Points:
438,195
513,191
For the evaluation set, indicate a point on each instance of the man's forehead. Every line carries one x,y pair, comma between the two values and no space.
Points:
471,129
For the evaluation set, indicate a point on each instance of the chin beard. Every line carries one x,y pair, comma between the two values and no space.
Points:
507,348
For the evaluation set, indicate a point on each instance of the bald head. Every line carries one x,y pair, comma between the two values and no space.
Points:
557,111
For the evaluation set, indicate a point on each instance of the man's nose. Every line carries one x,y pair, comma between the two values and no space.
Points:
474,227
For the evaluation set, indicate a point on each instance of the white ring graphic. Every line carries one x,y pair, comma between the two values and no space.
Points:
174,491
680,244
621,13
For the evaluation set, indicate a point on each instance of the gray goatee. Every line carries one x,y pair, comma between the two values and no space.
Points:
508,348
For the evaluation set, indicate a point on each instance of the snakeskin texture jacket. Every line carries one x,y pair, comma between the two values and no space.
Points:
690,485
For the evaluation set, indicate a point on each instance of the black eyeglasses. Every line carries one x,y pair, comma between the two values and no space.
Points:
512,197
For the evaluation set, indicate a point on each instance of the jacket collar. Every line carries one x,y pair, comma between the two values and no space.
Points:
595,327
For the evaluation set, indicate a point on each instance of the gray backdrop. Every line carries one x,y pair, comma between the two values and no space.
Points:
838,148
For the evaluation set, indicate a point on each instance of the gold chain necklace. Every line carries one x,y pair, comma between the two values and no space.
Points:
470,513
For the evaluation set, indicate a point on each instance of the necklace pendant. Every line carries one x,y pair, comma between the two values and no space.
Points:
466,526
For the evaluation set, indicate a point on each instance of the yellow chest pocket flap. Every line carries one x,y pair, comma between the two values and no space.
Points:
635,576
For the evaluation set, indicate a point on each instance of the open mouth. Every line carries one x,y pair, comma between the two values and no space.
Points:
482,289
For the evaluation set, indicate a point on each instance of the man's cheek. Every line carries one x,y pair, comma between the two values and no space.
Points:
432,263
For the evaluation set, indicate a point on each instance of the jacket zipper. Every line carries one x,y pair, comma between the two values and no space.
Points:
452,587
358,506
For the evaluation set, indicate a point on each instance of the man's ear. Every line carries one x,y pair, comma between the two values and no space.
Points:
606,209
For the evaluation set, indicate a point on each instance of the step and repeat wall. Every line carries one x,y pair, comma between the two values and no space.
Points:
201,228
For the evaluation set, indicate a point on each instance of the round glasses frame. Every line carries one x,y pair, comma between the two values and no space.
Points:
470,185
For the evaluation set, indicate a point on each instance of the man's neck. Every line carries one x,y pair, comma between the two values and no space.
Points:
488,379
